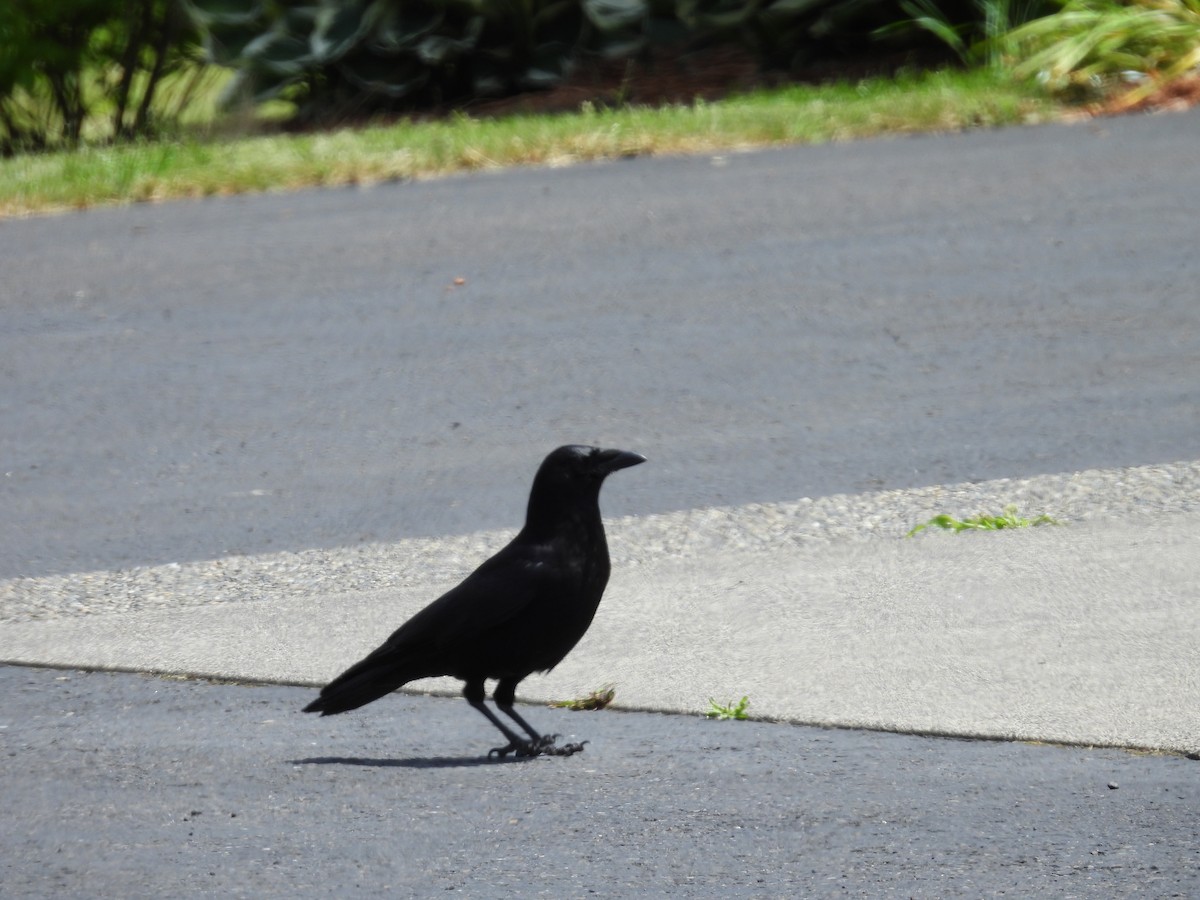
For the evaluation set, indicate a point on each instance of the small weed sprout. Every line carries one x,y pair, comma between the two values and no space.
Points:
1010,519
729,710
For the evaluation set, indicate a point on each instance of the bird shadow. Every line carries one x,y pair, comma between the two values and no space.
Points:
417,762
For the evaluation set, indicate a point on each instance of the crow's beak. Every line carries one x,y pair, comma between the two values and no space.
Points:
611,460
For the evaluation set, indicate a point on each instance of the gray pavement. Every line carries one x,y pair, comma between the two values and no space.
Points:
192,381
242,796
245,439
1083,634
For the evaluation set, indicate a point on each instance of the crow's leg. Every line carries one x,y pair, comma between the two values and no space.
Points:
504,696
474,692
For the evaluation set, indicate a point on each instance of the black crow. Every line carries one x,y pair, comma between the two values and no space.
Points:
520,612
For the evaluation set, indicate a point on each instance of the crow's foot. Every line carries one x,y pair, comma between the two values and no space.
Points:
544,746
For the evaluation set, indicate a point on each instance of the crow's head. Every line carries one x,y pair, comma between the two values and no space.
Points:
579,462
566,496
577,471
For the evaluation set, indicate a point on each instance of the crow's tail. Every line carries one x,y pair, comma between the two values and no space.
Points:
363,682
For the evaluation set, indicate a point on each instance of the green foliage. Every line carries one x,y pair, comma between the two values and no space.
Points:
1088,43
595,700
785,34
1009,519
353,56
64,61
928,16
67,65
981,36
728,710
337,56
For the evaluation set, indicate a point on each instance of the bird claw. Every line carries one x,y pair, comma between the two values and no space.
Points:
546,746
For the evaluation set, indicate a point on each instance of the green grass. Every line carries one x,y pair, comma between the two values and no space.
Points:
206,166
728,710
1009,519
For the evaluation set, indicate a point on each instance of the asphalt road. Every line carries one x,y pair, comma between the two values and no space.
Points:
188,381
240,796
193,380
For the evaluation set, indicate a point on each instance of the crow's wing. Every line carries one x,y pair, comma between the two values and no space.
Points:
506,587
451,634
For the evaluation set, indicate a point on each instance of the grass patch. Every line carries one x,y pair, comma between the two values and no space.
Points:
1009,519
205,166
728,710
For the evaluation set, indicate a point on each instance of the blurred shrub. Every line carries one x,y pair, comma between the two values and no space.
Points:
354,56
66,62
1088,44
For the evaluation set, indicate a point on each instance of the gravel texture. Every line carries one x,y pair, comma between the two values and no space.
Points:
1136,492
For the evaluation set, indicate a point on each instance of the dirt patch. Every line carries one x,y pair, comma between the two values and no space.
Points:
684,76
681,77
710,74
1178,94
659,81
